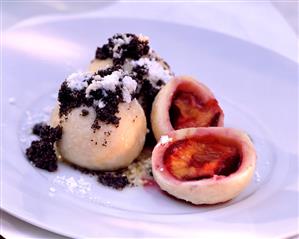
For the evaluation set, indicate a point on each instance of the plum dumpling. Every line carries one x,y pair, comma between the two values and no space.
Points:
103,124
134,55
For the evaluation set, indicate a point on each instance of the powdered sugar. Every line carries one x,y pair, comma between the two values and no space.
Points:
165,139
156,71
108,82
118,42
101,104
92,87
73,184
77,80
129,87
111,82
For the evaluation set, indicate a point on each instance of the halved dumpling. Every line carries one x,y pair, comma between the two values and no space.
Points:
183,103
204,165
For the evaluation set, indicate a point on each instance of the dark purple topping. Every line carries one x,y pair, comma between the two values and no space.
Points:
104,52
84,112
160,83
47,133
145,95
140,72
146,92
134,49
109,71
115,179
41,153
107,114
105,143
72,98
107,133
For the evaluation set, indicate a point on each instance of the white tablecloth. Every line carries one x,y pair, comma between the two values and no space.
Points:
271,25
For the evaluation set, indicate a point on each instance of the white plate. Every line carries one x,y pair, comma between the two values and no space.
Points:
255,87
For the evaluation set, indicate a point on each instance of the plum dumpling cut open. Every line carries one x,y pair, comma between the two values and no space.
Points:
104,126
183,103
204,165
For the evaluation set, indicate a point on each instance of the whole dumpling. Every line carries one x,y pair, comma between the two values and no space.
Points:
103,125
107,148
